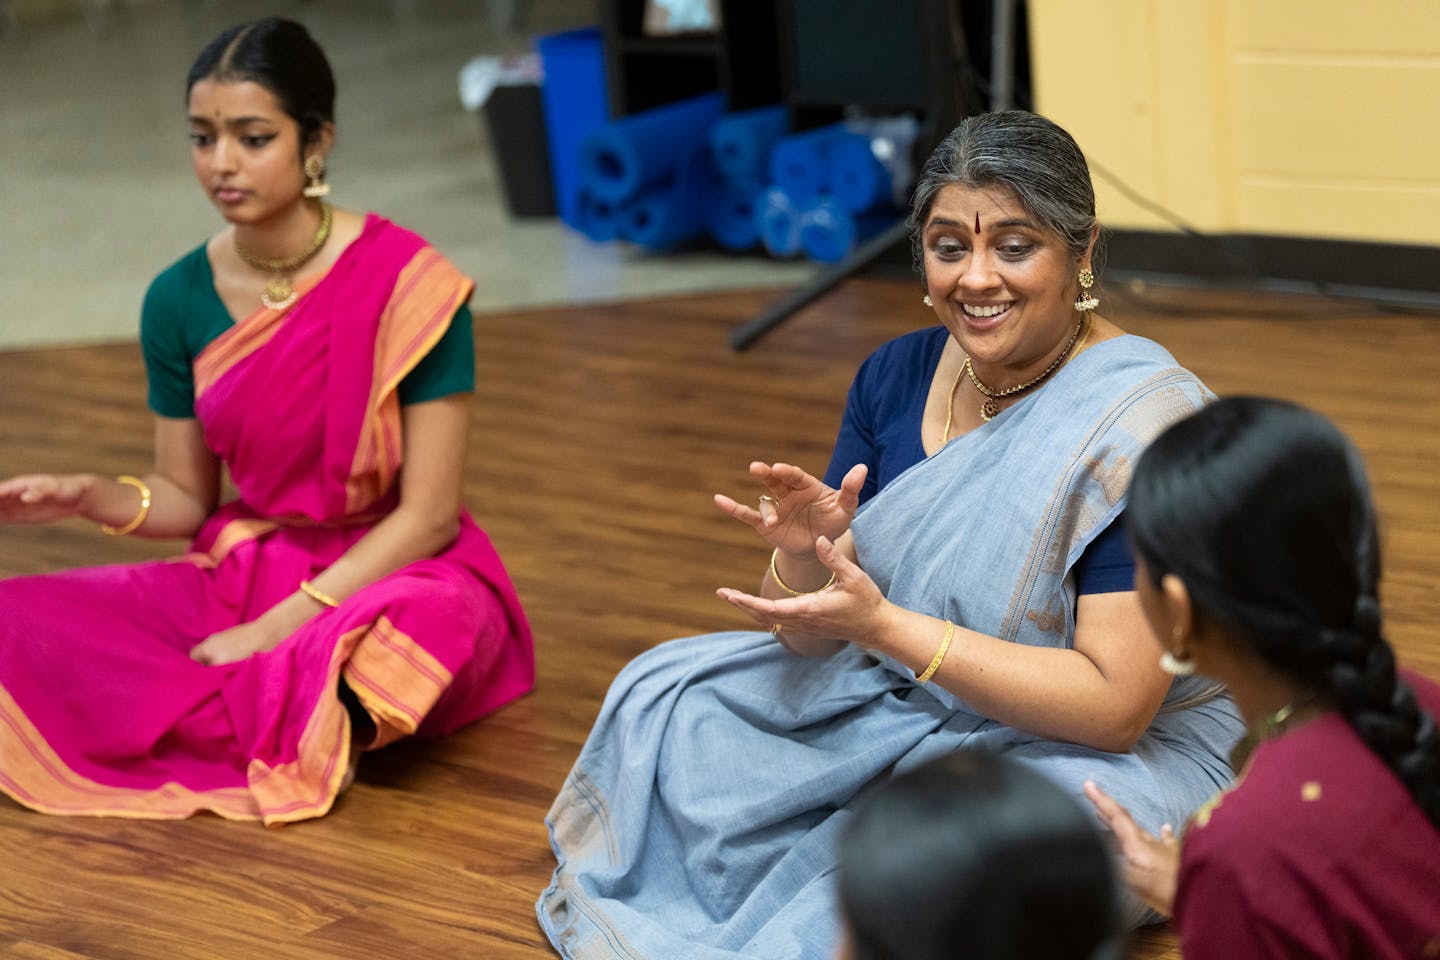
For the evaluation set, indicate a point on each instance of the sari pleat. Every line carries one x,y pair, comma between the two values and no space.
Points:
102,711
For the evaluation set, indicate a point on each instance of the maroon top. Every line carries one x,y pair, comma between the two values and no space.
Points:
1318,851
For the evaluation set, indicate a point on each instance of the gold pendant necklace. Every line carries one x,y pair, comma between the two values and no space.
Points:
279,290
990,408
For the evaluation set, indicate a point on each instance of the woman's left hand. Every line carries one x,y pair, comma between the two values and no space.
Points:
847,610
1151,864
234,644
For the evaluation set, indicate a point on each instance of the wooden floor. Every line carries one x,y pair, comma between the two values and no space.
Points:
599,437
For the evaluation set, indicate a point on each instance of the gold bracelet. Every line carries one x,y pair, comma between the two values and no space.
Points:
133,525
939,654
313,593
775,575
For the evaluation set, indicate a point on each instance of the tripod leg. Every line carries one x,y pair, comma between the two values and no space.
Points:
743,336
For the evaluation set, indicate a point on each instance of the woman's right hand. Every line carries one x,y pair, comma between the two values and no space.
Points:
796,507
1151,864
43,497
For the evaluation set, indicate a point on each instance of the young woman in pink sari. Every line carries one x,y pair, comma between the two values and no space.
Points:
345,597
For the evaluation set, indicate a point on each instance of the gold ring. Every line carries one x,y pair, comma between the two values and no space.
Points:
766,498
775,630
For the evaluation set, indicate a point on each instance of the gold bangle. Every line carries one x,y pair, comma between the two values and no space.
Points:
939,654
775,575
319,596
133,525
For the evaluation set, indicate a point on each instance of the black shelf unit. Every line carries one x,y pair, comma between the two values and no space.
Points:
741,59
876,58
820,58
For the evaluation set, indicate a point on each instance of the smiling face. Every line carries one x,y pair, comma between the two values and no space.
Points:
245,150
1002,285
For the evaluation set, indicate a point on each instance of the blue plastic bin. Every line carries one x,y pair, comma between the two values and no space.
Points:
573,95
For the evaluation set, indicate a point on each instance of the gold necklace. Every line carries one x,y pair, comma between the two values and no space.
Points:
950,406
990,408
1272,726
279,291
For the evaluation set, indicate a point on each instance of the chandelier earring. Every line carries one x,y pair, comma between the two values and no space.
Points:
315,173
1085,302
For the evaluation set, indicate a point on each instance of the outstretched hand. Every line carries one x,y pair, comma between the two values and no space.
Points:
797,508
1151,864
847,610
41,498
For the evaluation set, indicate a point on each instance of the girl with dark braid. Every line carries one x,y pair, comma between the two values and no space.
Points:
1258,563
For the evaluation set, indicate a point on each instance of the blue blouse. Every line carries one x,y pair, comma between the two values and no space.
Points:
881,429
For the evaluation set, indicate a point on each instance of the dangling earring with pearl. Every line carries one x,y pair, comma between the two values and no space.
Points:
315,173
1085,302
927,301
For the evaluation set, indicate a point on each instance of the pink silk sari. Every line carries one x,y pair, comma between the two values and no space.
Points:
103,713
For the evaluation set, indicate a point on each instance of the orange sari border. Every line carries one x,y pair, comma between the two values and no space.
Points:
35,776
396,680
427,293
232,535
305,788
233,346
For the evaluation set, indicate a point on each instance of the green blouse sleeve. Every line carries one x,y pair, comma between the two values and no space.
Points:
165,344
182,313
448,368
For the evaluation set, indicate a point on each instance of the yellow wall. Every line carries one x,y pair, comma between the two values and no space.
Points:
1313,118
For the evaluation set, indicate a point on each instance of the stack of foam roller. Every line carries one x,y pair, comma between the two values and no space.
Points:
680,172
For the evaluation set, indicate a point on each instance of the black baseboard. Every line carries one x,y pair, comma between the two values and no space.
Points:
1385,273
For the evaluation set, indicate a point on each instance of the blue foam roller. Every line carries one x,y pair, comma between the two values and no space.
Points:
598,219
857,179
778,217
622,157
573,99
740,143
666,215
799,163
828,231
732,215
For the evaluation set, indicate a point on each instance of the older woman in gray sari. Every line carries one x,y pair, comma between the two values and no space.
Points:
959,581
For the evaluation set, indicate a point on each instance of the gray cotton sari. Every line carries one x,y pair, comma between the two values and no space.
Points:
700,819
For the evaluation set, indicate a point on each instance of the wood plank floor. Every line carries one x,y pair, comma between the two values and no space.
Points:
599,436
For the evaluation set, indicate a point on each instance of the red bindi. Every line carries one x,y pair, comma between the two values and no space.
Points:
977,222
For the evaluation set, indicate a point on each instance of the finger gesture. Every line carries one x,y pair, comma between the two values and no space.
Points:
796,508
845,611
1151,864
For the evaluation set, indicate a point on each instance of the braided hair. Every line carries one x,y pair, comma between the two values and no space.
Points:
1263,511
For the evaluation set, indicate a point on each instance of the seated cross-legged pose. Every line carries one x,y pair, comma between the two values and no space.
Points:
1259,564
960,581
344,598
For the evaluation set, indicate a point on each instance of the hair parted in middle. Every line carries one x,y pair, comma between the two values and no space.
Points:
1030,156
